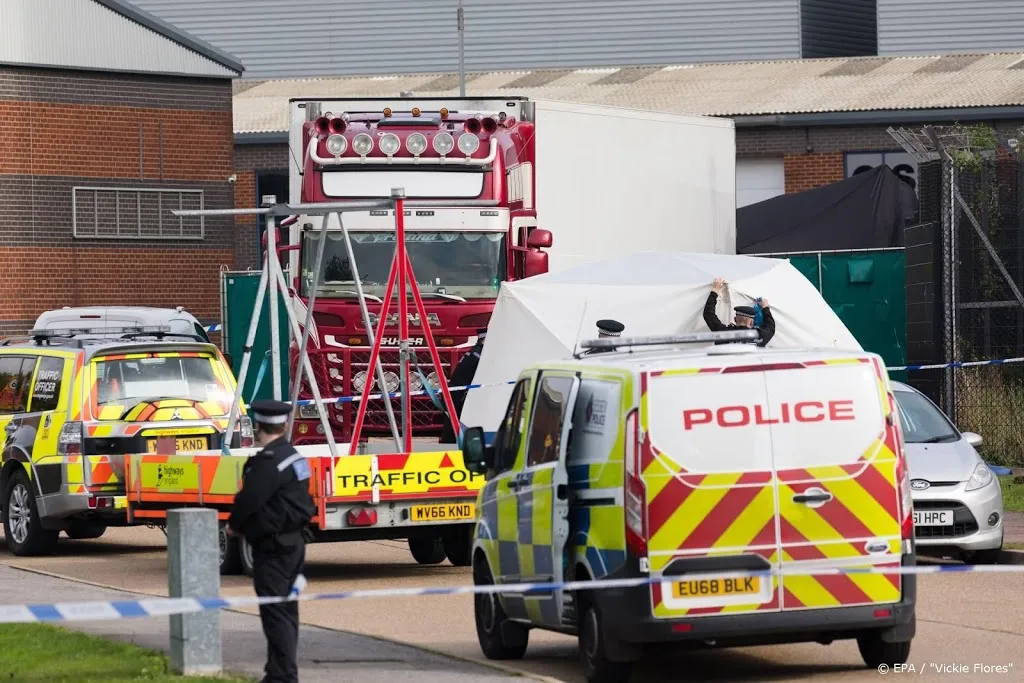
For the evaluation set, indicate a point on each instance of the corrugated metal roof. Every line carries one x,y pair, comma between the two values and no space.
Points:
737,89
103,35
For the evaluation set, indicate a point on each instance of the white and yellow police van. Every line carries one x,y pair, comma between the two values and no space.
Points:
696,467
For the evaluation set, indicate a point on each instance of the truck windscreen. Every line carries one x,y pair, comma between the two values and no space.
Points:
465,264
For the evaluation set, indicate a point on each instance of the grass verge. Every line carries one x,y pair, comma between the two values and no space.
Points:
40,652
1013,495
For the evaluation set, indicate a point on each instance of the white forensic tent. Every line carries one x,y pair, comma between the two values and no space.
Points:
651,293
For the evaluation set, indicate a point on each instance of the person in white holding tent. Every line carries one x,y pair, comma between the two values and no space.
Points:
745,317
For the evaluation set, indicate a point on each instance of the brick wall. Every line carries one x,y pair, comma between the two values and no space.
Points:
61,129
807,171
249,161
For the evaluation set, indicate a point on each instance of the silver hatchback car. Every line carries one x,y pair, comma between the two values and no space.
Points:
958,505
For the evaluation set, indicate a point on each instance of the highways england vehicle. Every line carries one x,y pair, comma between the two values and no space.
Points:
692,467
75,402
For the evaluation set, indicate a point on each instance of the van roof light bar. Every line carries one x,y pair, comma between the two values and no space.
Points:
76,331
662,340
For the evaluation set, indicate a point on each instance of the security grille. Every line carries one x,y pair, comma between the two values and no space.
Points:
136,213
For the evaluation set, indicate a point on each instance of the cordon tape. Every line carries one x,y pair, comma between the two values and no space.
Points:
107,610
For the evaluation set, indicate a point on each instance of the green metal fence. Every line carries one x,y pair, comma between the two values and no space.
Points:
867,290
238,300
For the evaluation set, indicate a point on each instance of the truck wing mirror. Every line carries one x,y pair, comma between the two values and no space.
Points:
535,262
539,239
477,456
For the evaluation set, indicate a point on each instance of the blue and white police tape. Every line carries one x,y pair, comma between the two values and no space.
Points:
158,607
958,364
213,328
468,387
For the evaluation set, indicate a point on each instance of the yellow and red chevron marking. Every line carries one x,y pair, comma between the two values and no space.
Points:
101,471
182,477
399,476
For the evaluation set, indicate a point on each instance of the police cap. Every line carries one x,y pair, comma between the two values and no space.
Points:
268,412
610,328
481,333
745,311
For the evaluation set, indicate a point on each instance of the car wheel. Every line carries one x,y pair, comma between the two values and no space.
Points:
877,652
428,550
458,544
24,533
596,666
81,529
230,552
246,556
500,638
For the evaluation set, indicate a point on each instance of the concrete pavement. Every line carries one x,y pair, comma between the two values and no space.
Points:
325,656
1013,527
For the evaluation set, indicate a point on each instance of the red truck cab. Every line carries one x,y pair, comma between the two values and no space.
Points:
475,161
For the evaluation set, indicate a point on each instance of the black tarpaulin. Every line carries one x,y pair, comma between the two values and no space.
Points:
867,211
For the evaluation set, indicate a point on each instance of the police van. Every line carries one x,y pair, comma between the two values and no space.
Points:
725,475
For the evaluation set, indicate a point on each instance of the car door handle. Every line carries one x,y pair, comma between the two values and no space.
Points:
812,496
10,428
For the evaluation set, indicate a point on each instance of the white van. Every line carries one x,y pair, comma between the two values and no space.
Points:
92,318
692,466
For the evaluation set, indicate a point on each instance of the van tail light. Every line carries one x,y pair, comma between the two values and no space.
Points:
635,490
246,437
902,472
71,439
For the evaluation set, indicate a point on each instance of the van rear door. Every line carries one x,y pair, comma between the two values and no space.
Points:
835,459
707,481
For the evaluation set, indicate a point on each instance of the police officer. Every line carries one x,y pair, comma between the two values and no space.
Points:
607,329
743,316
273,511
464,373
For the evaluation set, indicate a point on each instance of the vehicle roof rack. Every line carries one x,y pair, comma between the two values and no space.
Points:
672,339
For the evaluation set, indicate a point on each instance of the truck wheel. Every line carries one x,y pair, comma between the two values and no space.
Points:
246,555
428,550
22,528
458,544
230,553
877,652
82,529
499,637
596,666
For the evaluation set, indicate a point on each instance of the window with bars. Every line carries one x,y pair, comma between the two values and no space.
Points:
136,213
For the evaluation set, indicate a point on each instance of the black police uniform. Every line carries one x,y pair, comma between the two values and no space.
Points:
766,330
273,511
605,329
465,371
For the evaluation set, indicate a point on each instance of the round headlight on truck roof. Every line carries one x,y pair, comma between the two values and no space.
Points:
389,144
416,144
337,144
444,143
362,144
468,143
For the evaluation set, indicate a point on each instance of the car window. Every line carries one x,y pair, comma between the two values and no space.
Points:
922,421
510,432
15,377
595,426
46,390
201,331
129,381
546,426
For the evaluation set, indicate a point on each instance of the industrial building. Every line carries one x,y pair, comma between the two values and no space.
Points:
109,119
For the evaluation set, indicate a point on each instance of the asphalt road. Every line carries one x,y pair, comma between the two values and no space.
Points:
966,622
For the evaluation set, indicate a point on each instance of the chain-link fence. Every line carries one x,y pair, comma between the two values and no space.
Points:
982,243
